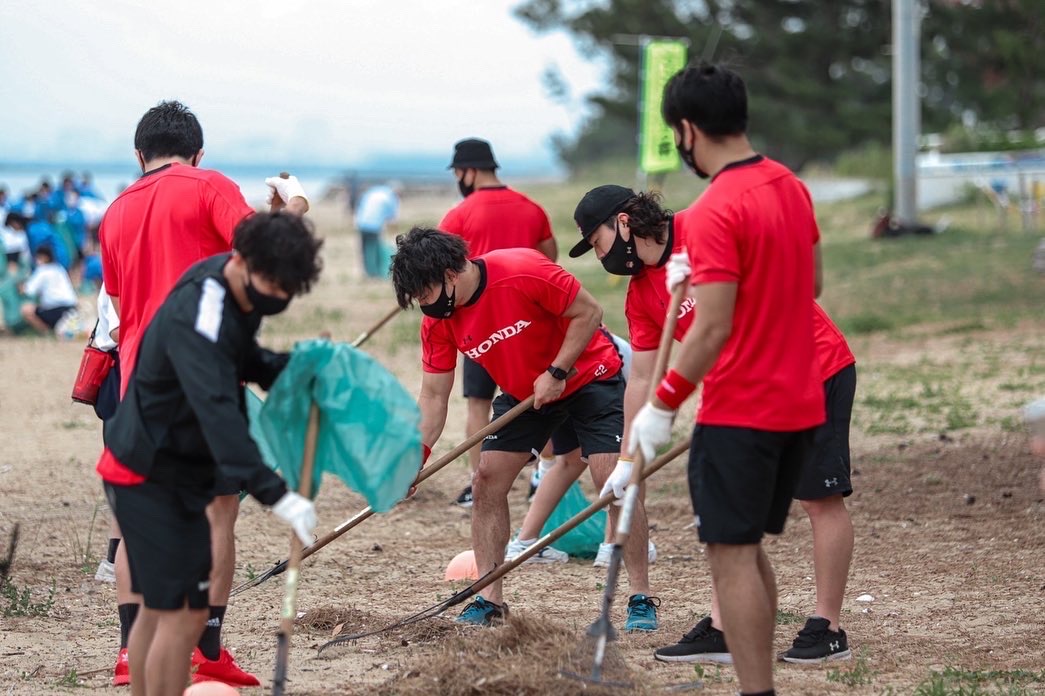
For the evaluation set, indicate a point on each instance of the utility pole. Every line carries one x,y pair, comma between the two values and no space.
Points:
906,111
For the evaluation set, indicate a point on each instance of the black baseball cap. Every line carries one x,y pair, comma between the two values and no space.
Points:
473,153
597,206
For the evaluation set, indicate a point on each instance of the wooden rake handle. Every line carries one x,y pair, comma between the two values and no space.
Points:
289,612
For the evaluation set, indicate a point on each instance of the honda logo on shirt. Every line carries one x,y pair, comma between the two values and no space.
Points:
686,307
496,337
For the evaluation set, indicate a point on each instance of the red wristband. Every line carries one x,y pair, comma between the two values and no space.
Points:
674,389
426,452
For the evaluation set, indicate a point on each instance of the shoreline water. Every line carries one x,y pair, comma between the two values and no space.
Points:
110,178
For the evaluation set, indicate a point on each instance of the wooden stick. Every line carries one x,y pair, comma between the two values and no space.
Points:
290,595
367,512
602,628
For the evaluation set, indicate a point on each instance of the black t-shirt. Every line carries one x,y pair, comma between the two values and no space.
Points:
182,421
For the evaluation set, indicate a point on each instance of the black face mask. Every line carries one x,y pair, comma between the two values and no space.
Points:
442,307
465,189
687,157
621,259
265,305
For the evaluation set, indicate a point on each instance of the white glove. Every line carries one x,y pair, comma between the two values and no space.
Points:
285,188
619,478
650,429
679,270
299,512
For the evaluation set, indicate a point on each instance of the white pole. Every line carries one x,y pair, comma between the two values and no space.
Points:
906,113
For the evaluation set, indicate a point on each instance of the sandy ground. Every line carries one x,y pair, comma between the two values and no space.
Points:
950,543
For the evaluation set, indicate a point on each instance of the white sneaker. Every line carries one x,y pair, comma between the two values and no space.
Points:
545,555
602,558
106,572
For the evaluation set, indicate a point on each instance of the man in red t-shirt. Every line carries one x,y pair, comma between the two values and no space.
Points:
753,244
491,216
173,216
528,323
643,232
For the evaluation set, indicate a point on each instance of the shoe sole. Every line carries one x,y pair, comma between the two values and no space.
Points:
492,623
462,505
833,657
706,658
538,560
640,629
198,678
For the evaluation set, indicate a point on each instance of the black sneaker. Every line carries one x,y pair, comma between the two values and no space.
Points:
704,643
816,643
465,498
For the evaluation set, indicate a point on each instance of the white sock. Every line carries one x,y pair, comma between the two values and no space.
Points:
544,464
526,542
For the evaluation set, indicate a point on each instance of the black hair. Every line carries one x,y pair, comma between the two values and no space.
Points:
168,129
46,251
16,217
646,217
281,247
423,256
711,97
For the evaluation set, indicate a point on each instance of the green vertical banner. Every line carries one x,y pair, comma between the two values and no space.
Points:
661,59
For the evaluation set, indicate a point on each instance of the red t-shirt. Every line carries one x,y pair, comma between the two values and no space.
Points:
832,352
515,328
159,226
646,304
754,226
497,218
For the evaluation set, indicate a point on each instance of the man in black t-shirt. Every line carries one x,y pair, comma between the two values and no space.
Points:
182,425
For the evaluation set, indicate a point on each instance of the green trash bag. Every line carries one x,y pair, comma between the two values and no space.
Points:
368,424
584,539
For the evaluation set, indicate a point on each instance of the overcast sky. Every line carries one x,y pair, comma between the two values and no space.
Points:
317,81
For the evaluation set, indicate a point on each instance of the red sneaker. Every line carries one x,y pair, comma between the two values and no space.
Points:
121,675
224,670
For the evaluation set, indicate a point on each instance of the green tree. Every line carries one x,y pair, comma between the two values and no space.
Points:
818,72
817,75
984,59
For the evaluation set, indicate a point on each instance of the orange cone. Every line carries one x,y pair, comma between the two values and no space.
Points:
462,567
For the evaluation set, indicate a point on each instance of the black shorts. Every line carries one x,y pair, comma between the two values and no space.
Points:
53,315
168,542
478,383
828,472
596,412
741,480
564,439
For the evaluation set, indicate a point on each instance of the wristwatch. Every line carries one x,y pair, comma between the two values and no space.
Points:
557,372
